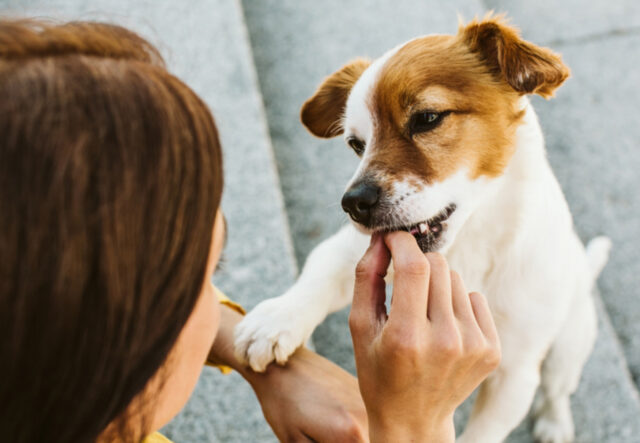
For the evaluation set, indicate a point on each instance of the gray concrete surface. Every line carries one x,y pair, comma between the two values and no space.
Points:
589,132
205,44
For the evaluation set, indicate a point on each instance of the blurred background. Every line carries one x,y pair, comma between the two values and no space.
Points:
256,61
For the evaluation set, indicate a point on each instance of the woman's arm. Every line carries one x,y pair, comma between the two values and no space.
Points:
309,399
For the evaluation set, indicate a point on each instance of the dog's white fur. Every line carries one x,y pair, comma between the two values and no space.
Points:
512,239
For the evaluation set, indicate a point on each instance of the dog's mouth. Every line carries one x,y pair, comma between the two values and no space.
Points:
428,233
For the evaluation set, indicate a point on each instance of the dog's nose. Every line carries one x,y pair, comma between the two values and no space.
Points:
359,200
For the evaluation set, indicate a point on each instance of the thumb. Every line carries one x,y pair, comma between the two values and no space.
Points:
369,292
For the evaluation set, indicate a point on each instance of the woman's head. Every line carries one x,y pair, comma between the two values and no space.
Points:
110,180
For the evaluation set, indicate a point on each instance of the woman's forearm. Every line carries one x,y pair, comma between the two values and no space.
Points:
222,351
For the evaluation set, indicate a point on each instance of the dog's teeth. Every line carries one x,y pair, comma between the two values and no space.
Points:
423,227
436,228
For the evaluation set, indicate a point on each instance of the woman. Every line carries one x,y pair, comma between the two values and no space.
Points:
110,229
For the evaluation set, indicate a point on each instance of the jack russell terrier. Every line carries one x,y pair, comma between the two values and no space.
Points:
451,151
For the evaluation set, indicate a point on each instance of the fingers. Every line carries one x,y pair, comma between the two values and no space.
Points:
461,303
483,317
440,304
369,291
410,280
423,287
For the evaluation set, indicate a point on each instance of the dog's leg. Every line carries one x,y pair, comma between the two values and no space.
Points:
561,372
503,399
275,328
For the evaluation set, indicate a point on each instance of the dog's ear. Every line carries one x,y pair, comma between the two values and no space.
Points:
322,113
529,69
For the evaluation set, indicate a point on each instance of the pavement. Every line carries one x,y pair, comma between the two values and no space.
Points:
256,61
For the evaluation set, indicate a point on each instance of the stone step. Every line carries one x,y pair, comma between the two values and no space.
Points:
206,44
295,45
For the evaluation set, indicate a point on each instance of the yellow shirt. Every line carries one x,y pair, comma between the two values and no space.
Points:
157,437
226,301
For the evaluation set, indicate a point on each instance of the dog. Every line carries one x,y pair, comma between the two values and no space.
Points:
451,150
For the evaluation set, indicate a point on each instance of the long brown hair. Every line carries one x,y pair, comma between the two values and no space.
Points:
110,178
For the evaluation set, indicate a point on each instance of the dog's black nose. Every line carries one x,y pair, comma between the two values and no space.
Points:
359,201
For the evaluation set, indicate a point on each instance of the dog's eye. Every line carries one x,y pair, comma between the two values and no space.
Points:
425,121
356,144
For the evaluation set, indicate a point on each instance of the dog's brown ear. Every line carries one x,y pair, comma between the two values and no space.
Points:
323,112
528,68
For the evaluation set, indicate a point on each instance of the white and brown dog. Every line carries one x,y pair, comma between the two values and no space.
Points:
451,151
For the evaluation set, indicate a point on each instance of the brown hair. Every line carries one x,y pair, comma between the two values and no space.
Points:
110,178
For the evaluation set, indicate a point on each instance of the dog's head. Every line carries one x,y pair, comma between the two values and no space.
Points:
434,123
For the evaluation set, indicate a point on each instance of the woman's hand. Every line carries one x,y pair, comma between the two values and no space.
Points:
311,399
418,363
308,399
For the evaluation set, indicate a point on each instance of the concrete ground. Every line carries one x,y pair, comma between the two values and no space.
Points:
256,61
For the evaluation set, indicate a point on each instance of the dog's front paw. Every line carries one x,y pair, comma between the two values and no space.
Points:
273,330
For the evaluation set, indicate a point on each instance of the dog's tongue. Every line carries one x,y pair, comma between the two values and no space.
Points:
414,231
